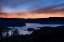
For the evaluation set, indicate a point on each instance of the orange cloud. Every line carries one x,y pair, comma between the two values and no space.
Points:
46,12
33,15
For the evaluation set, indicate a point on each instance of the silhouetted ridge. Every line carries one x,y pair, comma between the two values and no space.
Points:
57,17
11,22
51,20
19,21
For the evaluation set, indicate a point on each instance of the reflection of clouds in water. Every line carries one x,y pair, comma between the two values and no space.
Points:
41,25
33,25
22,32
25,32
51,25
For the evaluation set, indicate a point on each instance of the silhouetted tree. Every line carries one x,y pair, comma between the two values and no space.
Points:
7,34
3,29
12,31
15,31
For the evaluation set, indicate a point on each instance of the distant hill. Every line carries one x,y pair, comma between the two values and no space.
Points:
11,22
21,21
51,20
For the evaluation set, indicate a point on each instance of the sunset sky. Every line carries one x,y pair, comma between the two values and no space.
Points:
32,8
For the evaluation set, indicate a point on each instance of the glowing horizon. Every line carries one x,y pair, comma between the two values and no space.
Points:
32,15
31,8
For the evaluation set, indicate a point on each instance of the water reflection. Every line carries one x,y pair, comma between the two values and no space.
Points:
23,30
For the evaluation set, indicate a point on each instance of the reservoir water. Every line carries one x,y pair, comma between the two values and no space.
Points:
23,30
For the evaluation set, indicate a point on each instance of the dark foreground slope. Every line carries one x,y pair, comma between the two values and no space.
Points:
45,34
49,34
11,22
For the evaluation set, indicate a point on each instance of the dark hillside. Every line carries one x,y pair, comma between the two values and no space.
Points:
11,22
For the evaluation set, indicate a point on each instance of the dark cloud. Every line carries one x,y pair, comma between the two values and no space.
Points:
51,9
19,14
14,3
35,3
3,14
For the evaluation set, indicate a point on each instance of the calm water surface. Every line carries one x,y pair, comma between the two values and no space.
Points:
23,30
